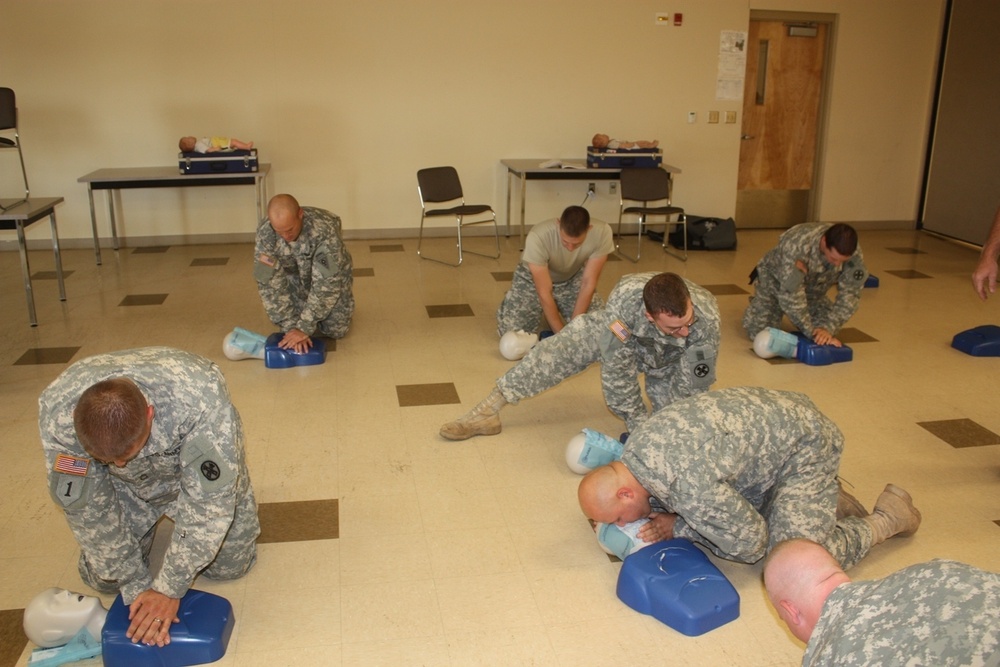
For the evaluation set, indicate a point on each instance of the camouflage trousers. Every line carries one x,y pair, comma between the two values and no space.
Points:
236,555
521,309
334,325
765,310
803,503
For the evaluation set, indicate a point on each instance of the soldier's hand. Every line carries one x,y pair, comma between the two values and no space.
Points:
823,337
660,527
295,340
151,615
984,280
801,266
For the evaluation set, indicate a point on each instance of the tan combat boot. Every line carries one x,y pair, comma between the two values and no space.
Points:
848,505
894,515
484,419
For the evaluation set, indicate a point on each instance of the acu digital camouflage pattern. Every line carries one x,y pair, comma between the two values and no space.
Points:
781,288
521,310
936,614
306,284
192,469
745,468
675,368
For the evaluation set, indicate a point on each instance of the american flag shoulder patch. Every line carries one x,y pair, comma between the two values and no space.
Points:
266,259
620,331
71,465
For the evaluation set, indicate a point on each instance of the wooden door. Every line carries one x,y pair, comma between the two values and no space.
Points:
781,111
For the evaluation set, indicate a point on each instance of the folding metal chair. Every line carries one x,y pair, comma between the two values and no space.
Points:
8,122
439,185
649,186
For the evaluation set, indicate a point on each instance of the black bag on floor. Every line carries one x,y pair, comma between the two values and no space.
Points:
706,234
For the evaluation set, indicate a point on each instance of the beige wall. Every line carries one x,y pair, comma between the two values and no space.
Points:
348,99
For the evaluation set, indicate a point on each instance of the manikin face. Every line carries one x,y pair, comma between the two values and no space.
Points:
62,601
56,615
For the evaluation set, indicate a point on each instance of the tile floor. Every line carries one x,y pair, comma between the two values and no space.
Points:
386,545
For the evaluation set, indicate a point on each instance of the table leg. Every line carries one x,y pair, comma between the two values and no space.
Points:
508,201
26,272
93,224
55,250
111,217
523,184
260,188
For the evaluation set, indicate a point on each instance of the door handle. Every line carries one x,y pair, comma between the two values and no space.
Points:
746,137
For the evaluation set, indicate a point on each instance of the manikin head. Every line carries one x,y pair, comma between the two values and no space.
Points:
56,615
285,215
186,144
242,344
600,141
515,344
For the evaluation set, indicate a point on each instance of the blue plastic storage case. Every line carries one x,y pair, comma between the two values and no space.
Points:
201,636
617,158
674,582
233,161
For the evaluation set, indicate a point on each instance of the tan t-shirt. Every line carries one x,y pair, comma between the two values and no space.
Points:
543,246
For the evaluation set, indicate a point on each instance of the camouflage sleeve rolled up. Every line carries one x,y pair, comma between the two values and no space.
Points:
331,267
620,366
942,613
271,281
697,366
99,525
210,481
850,282
792,297
620,378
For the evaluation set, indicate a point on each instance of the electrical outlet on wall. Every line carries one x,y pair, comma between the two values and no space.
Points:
713,116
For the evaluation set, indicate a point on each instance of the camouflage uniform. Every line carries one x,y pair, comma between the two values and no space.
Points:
192,469
626,344
521,309
745,468
306,284
782,289
940,613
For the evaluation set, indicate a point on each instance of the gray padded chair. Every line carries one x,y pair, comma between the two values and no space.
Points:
440,185
649,186
8,122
